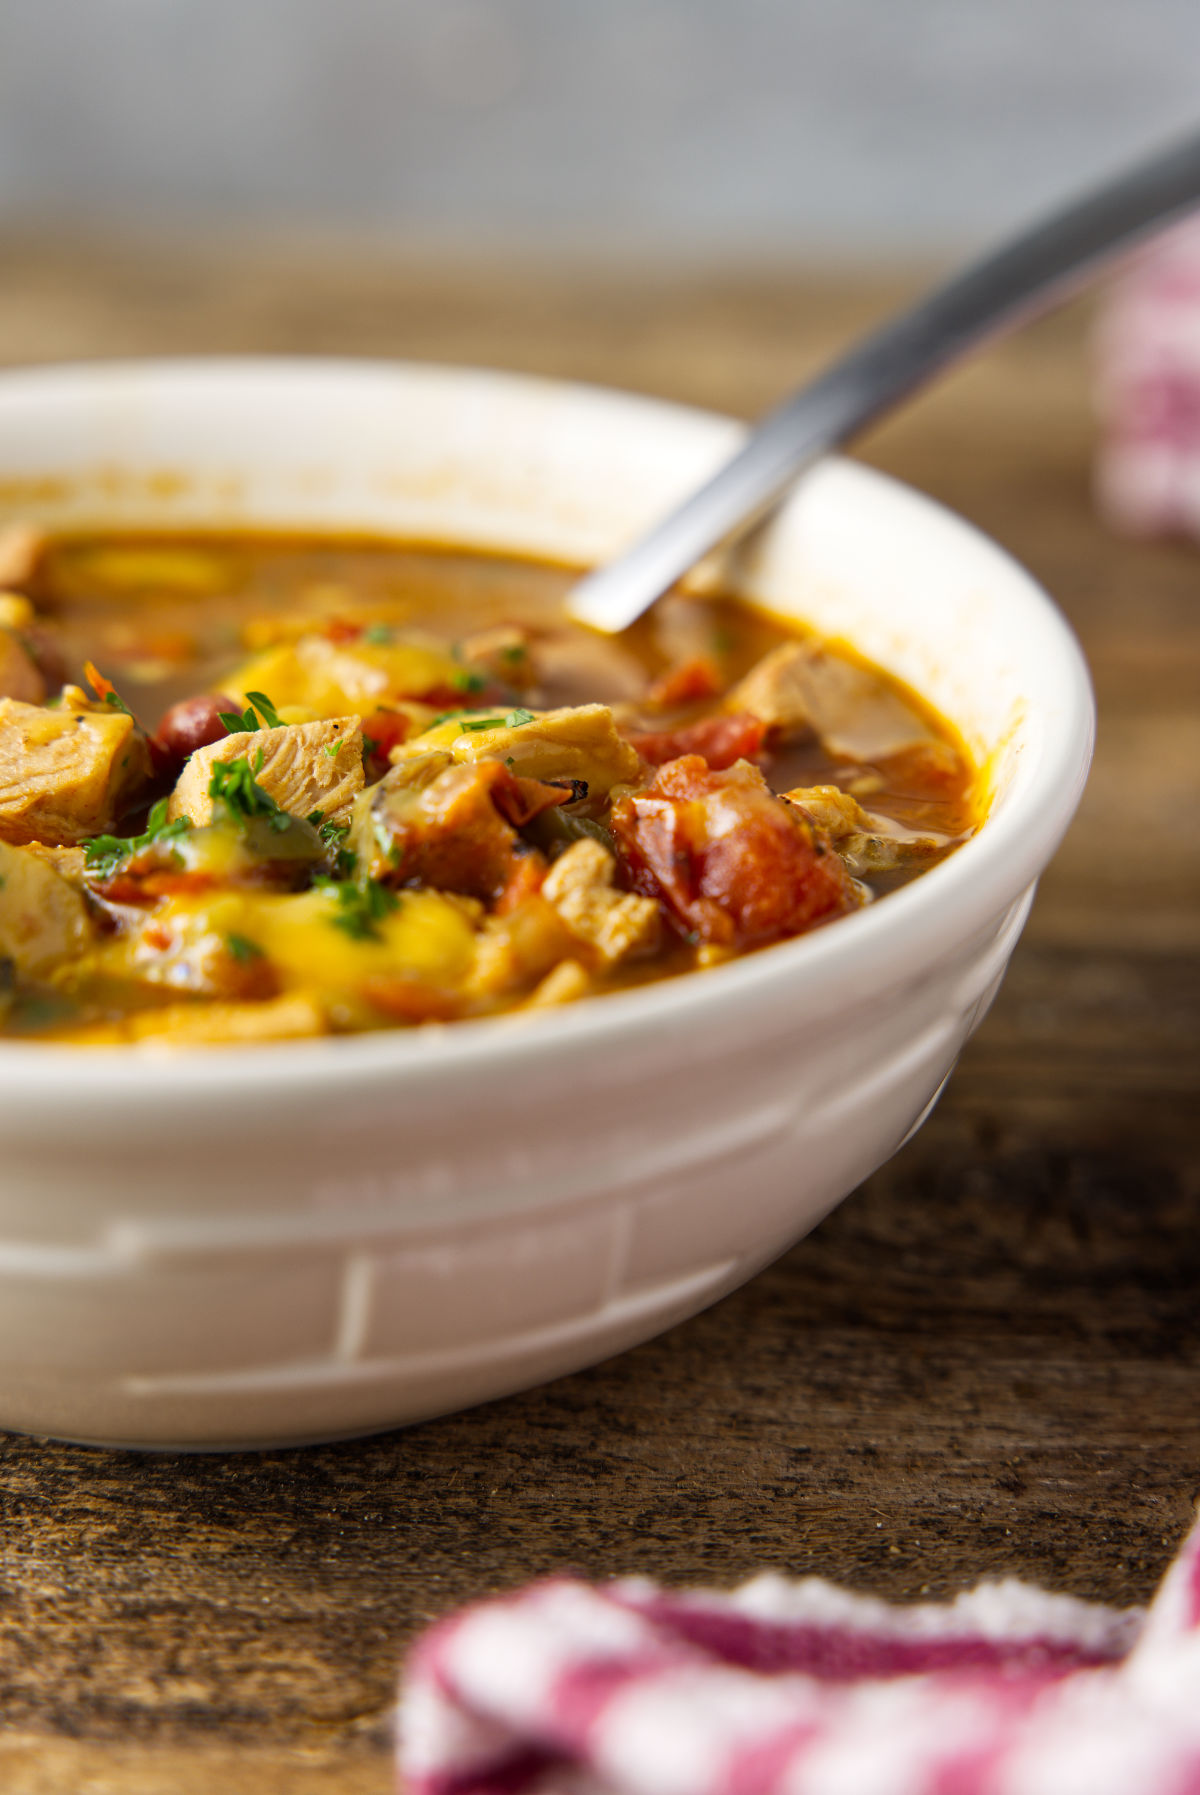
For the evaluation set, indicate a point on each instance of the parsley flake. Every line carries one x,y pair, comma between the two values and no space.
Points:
377,634
242,949
103,854
334,835
245,722
362,906
234,785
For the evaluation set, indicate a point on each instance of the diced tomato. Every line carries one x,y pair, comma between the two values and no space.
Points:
721,740
688,682
456,698
525,881
382,730
341,629
407,1000
177,884
175,646
519,800
138,885
731,862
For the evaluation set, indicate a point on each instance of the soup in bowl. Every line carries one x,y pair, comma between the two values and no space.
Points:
410,997
326,786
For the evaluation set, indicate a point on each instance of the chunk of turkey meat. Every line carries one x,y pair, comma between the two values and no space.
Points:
43,919
68,773
616,925
802,687
866,842
577,743
305,767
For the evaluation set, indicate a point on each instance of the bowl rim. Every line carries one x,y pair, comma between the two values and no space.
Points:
886,943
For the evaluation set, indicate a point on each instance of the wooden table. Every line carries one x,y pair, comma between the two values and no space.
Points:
985,1363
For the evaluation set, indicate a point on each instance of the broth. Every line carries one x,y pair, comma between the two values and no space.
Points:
534,812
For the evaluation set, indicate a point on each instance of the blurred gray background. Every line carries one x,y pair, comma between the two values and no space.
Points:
848,128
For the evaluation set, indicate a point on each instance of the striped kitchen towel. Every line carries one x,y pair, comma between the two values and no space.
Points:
1148,390
799,1688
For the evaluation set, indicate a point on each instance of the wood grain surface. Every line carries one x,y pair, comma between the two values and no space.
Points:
985,1363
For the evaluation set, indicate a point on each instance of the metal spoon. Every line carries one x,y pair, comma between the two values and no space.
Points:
1028,275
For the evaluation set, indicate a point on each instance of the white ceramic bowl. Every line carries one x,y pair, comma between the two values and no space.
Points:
294,1242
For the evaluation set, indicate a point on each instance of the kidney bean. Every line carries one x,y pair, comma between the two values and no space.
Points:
193,723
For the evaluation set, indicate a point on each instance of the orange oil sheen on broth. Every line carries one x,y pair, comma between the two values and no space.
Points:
456,921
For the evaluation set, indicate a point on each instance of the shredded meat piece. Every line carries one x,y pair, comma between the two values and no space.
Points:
515,950
43,920
69,773
687,682
568,981
577,743
803,687
305,767
616,925
731,862
867,843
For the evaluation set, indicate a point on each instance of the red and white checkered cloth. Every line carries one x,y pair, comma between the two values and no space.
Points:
799,1688
1148,390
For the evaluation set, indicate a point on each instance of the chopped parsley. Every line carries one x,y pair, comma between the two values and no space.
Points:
362,905
370,746
334,836
466,681
377,634
515,651
243,950
245,722
513,720
104,853
235,786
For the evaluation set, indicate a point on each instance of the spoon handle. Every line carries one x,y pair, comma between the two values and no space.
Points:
1025,276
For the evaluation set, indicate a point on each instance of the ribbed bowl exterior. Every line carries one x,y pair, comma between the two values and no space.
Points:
253,1247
